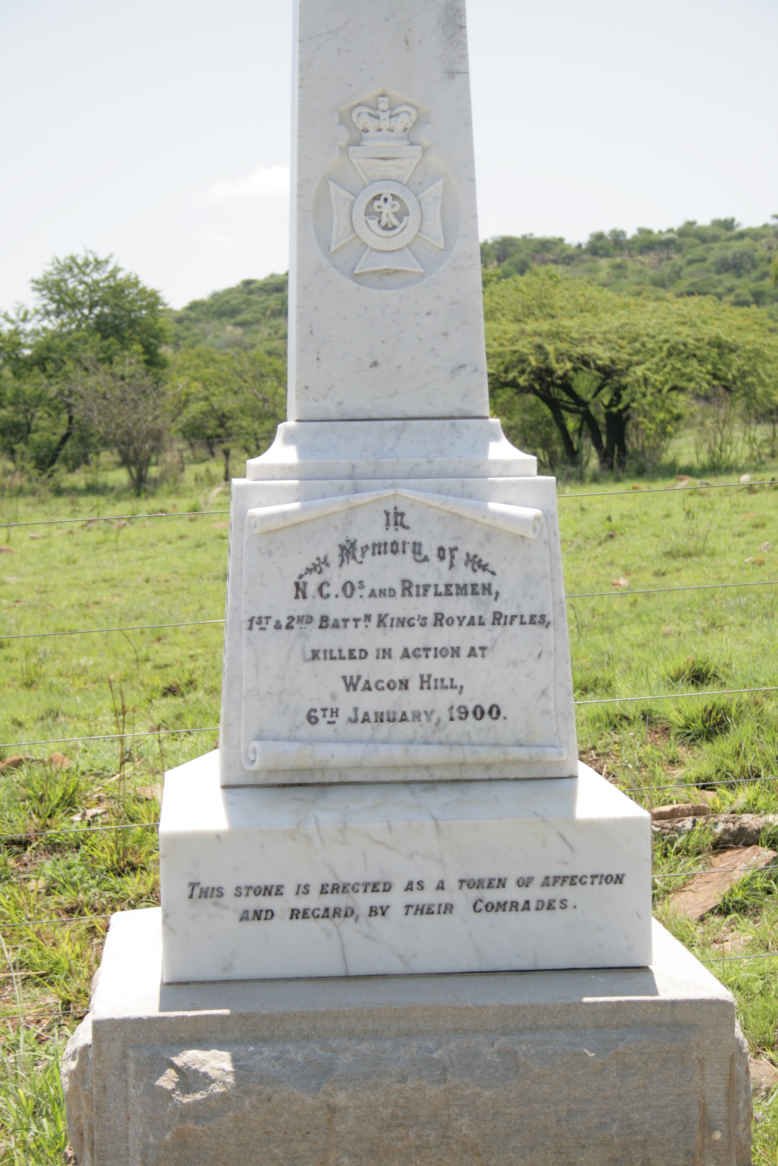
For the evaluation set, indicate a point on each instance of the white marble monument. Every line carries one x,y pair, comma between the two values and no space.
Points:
397,787
396,656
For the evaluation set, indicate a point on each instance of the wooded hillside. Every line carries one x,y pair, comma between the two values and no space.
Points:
722,259
733,263
600,354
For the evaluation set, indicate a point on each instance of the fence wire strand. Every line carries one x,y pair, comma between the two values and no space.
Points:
66,1011
139,627
98,916
726,781
679,488
635,492
90,519
107,736
196,623
89,828
622,591
23,837
58,921
162,732
674,695
702,870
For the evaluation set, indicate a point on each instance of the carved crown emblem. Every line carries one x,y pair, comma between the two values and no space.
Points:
387,216
384,124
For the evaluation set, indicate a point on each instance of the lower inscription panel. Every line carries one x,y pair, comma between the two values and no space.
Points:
373,879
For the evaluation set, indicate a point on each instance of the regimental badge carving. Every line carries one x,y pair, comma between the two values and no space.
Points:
394,223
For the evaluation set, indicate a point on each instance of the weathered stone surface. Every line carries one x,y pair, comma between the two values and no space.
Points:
78,1086
385,316
685,810
764,1076
345,595
642,1067
705,890
440,1100
725,829
422,877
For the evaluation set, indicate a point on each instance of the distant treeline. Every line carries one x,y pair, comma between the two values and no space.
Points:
598,352
735,264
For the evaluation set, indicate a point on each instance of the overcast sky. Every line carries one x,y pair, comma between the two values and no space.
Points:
158,131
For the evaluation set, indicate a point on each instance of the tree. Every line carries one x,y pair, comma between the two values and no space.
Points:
86,300
514,256
226,399
600,244
30,405
608,367
19,402
125,406
89,312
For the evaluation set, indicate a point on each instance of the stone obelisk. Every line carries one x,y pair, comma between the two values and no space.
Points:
388,393
396,656
385,318
396,788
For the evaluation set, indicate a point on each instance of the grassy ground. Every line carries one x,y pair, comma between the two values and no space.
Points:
77,818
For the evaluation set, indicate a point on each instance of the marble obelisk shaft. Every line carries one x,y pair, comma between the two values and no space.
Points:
385,314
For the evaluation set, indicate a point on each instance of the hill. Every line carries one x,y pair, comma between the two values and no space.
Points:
250,315
736,264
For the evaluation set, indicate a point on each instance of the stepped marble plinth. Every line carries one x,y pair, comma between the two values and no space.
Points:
417,877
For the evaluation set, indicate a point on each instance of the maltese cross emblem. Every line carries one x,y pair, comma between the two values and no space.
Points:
386,215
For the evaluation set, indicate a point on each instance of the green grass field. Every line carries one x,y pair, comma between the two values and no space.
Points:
77,816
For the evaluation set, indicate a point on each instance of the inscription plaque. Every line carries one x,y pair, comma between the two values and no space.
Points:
400,628
322,880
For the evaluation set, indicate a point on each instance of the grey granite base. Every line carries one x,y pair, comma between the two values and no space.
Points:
637,1067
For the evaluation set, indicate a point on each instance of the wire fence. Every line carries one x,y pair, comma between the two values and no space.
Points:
679,487
89,828
121,736
620,592
198,623
632,492
647,698
92,519
139,627
29,838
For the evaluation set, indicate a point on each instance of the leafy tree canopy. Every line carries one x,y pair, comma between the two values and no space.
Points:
618,371
721,259
88,302
122,403
227,399
88,313
591,367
